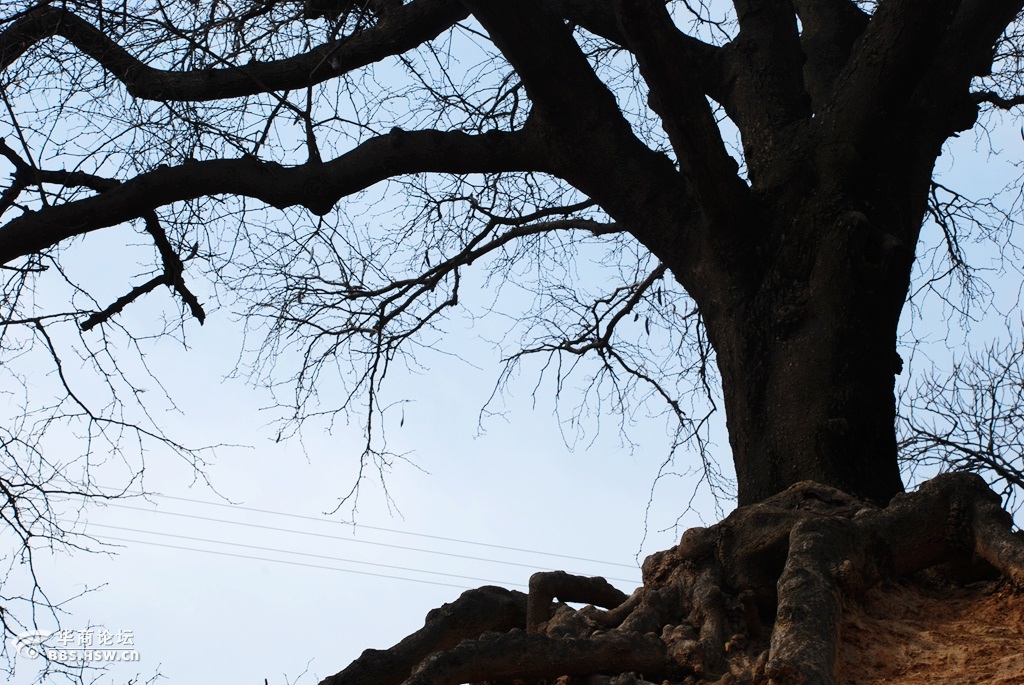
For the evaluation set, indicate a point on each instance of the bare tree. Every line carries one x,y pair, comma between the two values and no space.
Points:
970,419
244,142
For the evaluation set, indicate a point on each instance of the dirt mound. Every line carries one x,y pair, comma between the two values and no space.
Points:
914,633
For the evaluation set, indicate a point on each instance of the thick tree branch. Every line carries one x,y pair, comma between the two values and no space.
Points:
599,17
976,30
762,91
888,64
921,103
638,187
769,63
540,47
684,111
830,28
966,52
404,29
314,186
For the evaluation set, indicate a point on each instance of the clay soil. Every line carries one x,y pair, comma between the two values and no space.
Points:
927,634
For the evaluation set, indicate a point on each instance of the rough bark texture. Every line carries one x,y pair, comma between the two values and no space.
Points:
757,598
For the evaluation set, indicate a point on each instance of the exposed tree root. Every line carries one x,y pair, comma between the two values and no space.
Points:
471,615
754,599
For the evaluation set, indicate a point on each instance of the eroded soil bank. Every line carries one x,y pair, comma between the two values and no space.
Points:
913,633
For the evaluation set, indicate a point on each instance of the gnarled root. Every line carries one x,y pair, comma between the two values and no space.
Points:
548,585
756,598
531,656
477,611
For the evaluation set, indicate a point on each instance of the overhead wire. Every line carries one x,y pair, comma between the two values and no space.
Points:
335,537
240,507
289,563
294,553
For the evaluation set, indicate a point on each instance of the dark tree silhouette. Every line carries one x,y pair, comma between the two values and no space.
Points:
230,134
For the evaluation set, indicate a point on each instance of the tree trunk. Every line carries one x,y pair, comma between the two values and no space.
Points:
808,365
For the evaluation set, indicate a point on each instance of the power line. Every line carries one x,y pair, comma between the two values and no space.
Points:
240,507
303,554
335,537
283,561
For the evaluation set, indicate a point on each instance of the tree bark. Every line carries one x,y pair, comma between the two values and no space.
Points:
808,364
